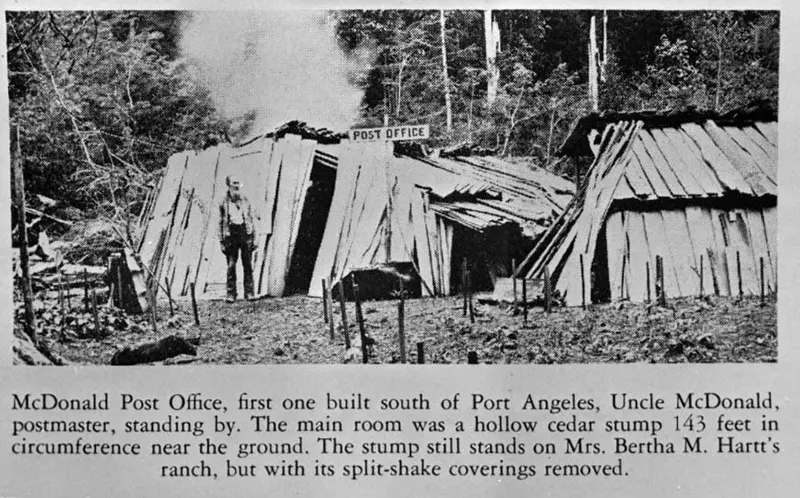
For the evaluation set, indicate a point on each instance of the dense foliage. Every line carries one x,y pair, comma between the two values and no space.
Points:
655,60
101,99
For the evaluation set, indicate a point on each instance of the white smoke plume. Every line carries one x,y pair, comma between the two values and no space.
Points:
274,66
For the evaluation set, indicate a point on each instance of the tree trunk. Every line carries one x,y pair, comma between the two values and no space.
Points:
492,36
550,136
27,291
469,114
399,89
718,95
593,67
448,109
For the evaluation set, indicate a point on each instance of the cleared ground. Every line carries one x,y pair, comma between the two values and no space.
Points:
292,330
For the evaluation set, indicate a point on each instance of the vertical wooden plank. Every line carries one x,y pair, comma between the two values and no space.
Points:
548,293
770,217
154,307
95,312
701,231
657,236
401,323
525,301
194,305
583,286
615,244
702,271
464,270
740,240
639,256
345,329
360,319
326,296
514,281
168,288
681,249
85,290
324,300
739,273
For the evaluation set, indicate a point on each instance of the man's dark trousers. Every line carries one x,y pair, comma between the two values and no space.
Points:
239,241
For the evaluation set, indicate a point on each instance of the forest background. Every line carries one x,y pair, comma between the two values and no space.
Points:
100,99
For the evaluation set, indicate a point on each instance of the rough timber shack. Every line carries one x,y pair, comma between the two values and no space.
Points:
327,207
687,186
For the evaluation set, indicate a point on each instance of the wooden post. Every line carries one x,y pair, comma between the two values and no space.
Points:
120,292
167,287
360,319
60,286
464,283
469,294
622,280
647,276
95,313
420,353
548,291
153,311
658,280
583,284
401,326
761,265
472,358
85,290
24,262
701,276
514,280
524,302
61,299
194,304
324,300
345,330
739,273
661,294
326,296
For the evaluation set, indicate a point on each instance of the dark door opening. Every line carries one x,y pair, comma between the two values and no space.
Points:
601,285
488,255
312,228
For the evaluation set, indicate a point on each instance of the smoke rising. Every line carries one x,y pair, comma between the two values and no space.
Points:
265,68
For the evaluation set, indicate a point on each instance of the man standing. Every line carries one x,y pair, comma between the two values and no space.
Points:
237,234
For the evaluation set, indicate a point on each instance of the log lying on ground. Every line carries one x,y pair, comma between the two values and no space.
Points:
26,353
161,350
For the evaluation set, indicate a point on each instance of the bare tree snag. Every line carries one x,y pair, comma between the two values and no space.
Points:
27,290
492,35
445,77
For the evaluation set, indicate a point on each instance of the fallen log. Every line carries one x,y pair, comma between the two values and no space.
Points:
150,352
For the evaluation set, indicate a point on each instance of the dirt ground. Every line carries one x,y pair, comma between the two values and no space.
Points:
292,330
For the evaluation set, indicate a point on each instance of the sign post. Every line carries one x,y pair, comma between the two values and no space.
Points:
390,133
